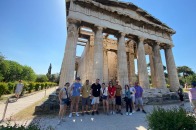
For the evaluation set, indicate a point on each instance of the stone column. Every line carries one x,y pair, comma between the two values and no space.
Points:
122,61
171,69
152,71
158,66
142,66
132,68
98,55
68,68
105,67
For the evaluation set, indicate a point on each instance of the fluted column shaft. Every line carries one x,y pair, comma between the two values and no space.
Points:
68,65
98,54
171,69
122,61
142,67
152,71
131,68
105,66
158,66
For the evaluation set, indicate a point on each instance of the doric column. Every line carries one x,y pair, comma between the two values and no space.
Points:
158,66
132,68
152,71
105,67
98,54
142,67
122,61
171,69
68,68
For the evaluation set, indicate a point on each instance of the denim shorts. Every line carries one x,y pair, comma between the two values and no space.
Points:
105,97
64,102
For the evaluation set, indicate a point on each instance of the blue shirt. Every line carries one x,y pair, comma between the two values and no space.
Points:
76,89
139,91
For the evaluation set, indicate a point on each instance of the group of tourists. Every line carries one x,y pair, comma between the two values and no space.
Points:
109,94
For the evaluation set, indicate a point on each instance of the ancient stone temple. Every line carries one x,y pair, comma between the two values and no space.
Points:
116,34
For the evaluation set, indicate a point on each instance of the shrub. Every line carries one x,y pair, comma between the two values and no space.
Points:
37,86
31,87
42,86
3,88
11,87
171,119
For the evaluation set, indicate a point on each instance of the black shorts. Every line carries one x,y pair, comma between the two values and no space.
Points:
181,97
118,100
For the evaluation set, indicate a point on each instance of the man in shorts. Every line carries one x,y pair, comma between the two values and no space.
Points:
18,90
118,98
85,91
133,91
138,97
112,93
75,89
192,96
95,95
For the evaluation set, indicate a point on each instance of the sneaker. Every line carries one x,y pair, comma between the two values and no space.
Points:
144,111
130,114
87,113
97,112
127,113
59,122
113,112
70,115
93,113
133,111
77,114
138,109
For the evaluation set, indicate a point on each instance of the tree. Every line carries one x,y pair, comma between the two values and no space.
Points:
49,72
28,74
42,78
185,71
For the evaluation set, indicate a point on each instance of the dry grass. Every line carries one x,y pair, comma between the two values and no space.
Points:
28,112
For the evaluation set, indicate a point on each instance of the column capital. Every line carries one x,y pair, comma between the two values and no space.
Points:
97,28
168,46
72,21
141,39
120,34
158,43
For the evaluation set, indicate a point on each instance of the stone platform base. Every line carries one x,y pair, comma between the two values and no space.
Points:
150,97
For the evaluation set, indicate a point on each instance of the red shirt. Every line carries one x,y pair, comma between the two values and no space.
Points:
111,90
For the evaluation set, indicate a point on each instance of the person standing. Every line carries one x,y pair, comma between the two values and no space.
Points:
181,95
128,101
133,91
64,101
118,98
19,88
138,97
192,97
75,89
112,93
104,91
85,91
95,95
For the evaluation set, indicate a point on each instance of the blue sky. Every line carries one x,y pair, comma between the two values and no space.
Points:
33,32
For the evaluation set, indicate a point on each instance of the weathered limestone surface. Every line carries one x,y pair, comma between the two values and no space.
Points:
142,67
122,61
105,69
98,54
112,65
68,68
158,67
152,71
171,68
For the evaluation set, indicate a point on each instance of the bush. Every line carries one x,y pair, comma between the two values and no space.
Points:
3,88
11,87
31,87
37,86
171,119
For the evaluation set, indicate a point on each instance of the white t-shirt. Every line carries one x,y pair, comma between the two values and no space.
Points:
104,91
64,95
132,89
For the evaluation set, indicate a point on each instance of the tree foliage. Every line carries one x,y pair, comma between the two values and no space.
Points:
185,71
13,71
42,78
49,72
